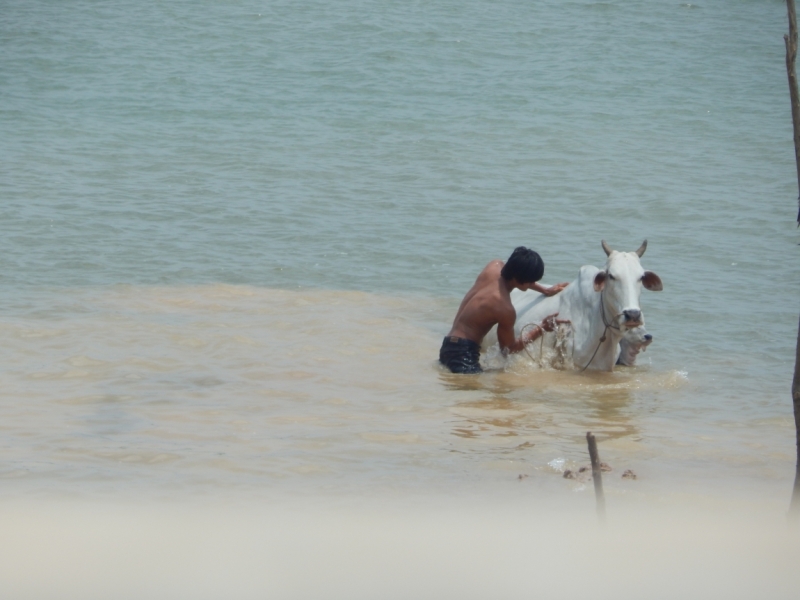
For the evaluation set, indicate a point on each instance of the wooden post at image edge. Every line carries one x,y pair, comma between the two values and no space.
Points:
791,55
794,506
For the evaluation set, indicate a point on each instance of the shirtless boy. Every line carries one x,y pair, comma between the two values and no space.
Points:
488,303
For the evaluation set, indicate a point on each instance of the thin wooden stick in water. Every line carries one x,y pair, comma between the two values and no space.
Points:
794,96
597,477
790,41
794,506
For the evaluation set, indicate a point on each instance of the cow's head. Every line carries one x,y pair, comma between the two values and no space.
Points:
621,284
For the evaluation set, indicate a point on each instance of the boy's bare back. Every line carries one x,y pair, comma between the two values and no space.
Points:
487,303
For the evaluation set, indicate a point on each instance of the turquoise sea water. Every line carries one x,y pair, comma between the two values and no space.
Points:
233,233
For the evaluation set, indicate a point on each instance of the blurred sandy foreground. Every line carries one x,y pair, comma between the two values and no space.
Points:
410,548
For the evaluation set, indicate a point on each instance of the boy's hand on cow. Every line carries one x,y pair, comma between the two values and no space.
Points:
554,289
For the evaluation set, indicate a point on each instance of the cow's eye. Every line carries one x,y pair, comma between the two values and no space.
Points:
612,277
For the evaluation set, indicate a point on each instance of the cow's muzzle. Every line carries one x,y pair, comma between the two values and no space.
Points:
633,317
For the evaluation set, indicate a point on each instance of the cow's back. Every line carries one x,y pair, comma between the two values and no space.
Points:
574,303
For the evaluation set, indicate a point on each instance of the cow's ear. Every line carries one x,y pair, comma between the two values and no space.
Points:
652,282
600,281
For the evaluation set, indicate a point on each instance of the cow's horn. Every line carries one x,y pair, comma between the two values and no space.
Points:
606,248
642,248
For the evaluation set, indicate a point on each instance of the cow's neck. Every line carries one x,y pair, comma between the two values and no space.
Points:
597,354
605,352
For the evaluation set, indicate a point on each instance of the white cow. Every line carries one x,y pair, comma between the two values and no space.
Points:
601,304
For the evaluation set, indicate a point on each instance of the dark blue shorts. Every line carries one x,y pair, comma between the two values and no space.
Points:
460,355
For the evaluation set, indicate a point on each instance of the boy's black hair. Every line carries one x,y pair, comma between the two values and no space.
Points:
524,265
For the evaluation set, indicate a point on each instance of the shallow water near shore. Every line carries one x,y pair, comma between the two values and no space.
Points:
233,235
213,389
184,441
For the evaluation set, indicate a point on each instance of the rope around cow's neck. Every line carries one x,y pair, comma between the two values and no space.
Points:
603,337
